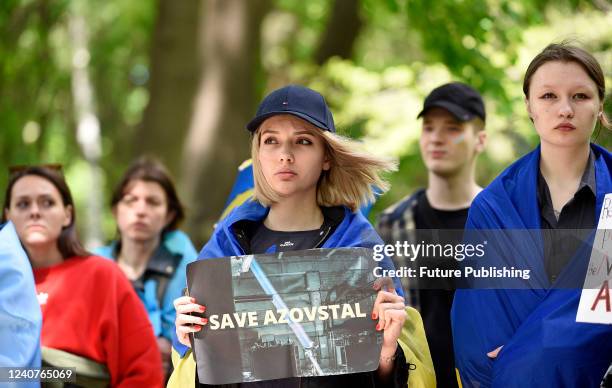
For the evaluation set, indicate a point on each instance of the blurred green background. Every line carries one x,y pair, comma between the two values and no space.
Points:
94,84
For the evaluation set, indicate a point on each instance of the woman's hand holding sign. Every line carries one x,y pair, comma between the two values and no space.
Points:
186,323
390,310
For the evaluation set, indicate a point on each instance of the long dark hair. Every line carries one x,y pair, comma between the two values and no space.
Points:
151,170
68,241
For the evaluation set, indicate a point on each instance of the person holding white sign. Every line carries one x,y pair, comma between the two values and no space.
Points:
309,185
530,337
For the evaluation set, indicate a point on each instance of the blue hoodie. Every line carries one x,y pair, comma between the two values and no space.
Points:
543,345
354,231
161,312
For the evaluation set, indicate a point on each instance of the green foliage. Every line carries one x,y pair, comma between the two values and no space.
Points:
37,122
408,47
35,106
294,28
405,48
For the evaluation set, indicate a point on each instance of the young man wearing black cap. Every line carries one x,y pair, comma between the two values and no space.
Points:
452,137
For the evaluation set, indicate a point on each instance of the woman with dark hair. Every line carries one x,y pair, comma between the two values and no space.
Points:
530,337
91,315
150,250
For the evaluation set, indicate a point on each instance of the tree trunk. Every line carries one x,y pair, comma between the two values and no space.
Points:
217,141
88,126
175,71
341,31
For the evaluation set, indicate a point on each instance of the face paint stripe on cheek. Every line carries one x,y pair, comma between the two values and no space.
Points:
459,139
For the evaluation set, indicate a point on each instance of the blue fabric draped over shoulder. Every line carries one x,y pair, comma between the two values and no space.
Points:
354,231
543,345
20,316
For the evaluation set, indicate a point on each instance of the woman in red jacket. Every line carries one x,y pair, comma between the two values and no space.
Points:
89,308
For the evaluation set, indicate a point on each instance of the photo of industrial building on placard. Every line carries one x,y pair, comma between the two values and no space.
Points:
302,313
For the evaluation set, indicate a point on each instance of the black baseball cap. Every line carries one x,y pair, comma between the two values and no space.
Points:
461,100
296,100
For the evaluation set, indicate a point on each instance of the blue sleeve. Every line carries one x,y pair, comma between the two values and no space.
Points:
20,317
216,246
179,282
175,289
211,249
179,347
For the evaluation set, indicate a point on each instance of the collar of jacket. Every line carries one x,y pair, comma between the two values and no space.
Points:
517,184
174,241
353,229
245,229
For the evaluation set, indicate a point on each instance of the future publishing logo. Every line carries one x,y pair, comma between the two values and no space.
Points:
466,272
458,252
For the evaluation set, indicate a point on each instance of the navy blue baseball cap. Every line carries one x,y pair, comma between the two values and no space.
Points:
298,101
461,100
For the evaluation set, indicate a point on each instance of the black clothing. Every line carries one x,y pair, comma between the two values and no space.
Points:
160,267
267,240
564,233
436,295
427,217
246,232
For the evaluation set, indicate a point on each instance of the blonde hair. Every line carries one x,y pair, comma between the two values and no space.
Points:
353,175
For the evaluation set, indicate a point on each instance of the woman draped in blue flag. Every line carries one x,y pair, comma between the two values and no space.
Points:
530,337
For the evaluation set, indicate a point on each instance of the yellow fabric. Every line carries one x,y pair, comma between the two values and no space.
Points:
458,378
184,372
415,347
238,200
245,164
242,197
